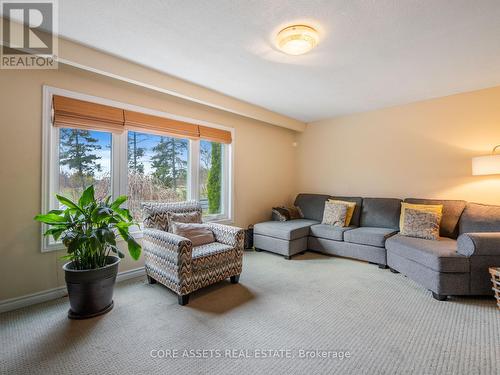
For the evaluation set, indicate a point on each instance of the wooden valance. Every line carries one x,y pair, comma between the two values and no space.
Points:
74,113
80,114
215,135
160,125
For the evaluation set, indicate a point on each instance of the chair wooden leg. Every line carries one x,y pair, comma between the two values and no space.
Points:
183,300
235,279
151,280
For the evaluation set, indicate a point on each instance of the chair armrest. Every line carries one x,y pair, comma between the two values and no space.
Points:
487,243
167,245
229,235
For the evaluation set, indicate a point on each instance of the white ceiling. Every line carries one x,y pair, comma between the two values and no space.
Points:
372,53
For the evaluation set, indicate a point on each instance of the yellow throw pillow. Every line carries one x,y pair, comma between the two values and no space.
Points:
350,209
436,208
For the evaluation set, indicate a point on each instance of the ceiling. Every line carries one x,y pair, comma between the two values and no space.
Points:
372,54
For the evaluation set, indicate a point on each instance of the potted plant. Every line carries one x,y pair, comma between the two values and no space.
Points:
88,229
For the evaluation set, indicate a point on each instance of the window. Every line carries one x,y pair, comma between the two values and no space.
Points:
211,177
84,159
141,162
157,169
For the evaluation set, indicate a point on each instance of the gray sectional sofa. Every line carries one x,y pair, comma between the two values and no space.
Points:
456,264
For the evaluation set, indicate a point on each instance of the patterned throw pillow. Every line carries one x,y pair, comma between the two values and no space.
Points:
199,234
280,214
335,214
295,212
287,213
421,224
183,217
350,209
436,208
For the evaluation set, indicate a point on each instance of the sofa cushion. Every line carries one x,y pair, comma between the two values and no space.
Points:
381,212
421,224
286,213
285,230
357,209
371,236
480,218
435,208
440,255
312,205
199,234
329,231
335,213
452,210
350,209
183,217
211,255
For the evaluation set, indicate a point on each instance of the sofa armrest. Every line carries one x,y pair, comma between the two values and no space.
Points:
228,235
169,246
487,243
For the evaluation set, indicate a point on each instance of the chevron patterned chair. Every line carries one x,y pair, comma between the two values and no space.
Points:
174,262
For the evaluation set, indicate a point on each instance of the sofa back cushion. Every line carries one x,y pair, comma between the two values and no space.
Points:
480,218
312,205
452,210
357,209
381,212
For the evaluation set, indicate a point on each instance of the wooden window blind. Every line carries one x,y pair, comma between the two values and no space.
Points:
161,125
80,114
74,113
215,135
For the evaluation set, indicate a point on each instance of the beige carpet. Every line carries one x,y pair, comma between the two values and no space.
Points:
387,323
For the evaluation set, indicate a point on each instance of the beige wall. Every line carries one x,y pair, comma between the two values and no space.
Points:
264,166
421,149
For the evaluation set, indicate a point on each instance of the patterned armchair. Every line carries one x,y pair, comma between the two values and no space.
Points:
174,262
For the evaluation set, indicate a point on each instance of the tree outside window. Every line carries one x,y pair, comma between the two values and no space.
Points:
157,170
84,160
211,177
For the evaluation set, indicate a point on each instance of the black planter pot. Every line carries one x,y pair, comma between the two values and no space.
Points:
91,291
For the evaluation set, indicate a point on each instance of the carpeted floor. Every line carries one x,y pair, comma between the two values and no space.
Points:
386,323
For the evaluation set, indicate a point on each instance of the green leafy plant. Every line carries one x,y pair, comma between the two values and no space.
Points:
88,229
214,179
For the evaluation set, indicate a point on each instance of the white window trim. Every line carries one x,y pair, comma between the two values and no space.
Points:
50,175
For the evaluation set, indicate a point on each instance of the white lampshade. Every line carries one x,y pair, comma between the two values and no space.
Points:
484,165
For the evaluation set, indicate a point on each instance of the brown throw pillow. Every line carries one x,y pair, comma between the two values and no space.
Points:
335,214
183,217
280,214
295,212
199,234
287,213
421,224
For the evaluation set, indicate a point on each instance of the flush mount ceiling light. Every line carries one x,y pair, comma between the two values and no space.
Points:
297,39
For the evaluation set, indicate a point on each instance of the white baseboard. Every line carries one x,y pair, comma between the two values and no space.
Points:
51,294
32,299
130,274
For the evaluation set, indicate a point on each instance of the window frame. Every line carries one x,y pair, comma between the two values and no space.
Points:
119,160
